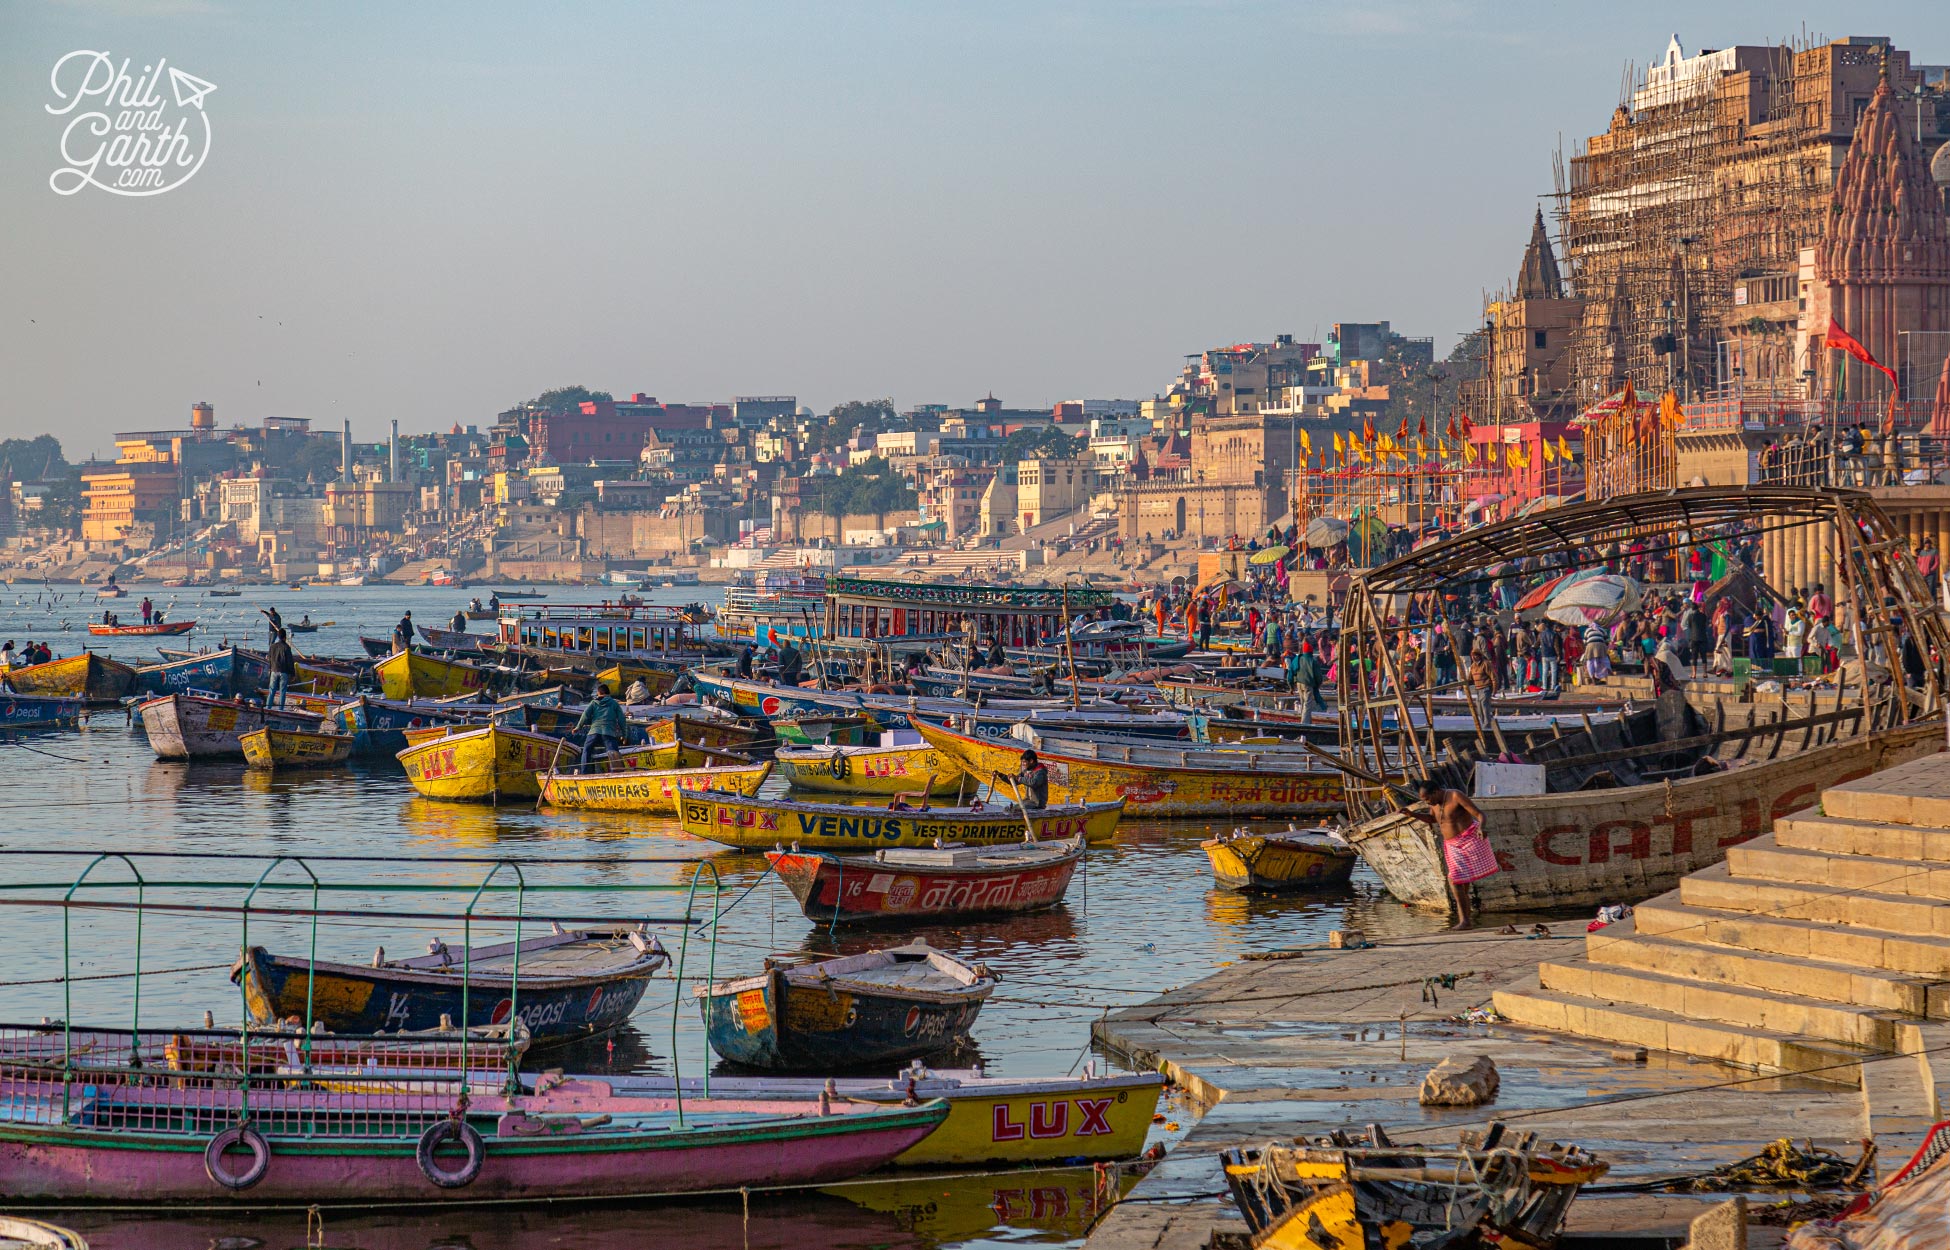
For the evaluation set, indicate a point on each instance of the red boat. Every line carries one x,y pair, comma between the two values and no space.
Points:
141,631
913,884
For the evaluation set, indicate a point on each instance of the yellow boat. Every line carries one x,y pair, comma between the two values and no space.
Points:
617,678
488,763
95,678
761,824
321,681
294,748
1294,860
408,675
703,731
1159,781
906,769
649,789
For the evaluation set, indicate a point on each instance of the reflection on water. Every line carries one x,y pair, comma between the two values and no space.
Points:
1141,917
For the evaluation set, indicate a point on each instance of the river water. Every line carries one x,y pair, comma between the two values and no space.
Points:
1143,917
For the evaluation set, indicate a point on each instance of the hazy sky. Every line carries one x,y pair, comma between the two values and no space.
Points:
428,212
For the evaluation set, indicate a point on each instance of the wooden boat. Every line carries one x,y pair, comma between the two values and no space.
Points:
883,1006
263,1131
761,824
409,675
1626,843
231,671
376,648
617,678
454,639
650,789
1089,1117
294,748
225,594
38,711
917,884
191,726
377,725
301,627
561,986
167,629
915,768
490,763
1272,862
95,678
704,731
1156,781
319,679
803,731
1338,1193
482,614
763,699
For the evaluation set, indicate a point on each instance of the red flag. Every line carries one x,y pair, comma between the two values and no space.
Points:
1367,429
1842,341
1450,429
1401,431
1421,427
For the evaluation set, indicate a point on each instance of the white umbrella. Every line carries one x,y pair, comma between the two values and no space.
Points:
1594,600
1481,502
1325,531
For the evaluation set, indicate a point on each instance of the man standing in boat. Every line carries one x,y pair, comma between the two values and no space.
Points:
403,634
283,668
276,624
1466,853
603,718
148,610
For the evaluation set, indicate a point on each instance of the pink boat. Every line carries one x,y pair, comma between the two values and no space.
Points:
385,1121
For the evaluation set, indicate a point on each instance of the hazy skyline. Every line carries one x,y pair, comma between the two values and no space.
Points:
430,213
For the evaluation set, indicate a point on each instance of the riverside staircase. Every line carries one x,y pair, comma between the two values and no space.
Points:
1821,949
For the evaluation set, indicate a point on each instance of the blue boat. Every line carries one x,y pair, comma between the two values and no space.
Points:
571,985
378,725
38,711
232,671
868,1010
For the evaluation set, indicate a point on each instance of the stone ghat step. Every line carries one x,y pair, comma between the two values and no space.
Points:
1868,948
1691,955
1740,1045
1916,793
1763,860
1717,887
1727,1004
1844,835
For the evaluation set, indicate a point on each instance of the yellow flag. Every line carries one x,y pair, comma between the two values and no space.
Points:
1469,453
1421,452
1385,444
1339,447
1563,449
1307,442
1550,452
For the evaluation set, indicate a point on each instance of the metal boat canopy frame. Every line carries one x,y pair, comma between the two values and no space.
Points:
1876,586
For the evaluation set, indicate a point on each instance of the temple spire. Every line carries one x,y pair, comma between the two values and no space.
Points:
1538,277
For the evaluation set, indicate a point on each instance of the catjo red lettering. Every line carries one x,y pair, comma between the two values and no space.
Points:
1639,845
1682,827
1545,849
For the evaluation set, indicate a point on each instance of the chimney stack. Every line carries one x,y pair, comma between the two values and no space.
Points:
346,454
392,455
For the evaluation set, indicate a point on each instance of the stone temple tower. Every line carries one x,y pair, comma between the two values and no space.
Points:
1884,254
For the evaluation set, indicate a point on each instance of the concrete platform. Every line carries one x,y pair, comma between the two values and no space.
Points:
1315,1042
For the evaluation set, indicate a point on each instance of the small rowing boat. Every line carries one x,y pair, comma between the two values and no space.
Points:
703,731
410,675
454,639
1309,859
649,789
562,986
95,678
168,629
38,711
909,768
990,1118
488,763
194,726
761,824
925,883
617,678
231,671
294,748
882,1006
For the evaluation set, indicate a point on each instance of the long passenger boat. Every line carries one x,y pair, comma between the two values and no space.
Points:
1160,781
606,632
863,609
761,824
788,603
656,790
95,678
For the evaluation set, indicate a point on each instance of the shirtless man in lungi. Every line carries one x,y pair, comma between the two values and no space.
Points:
1466,853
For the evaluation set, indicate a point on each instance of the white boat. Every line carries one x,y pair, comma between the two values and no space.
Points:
194,726
353,579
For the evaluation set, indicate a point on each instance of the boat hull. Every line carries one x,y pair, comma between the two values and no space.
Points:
68,1164
870,770
1624,845
187,727
650,790
761,824
346,999
408,674
701,731
290,748
1088,1118
492,763
1273,865
170,629
858,890
95,678
34,711
784,1027
231,671
1150,790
